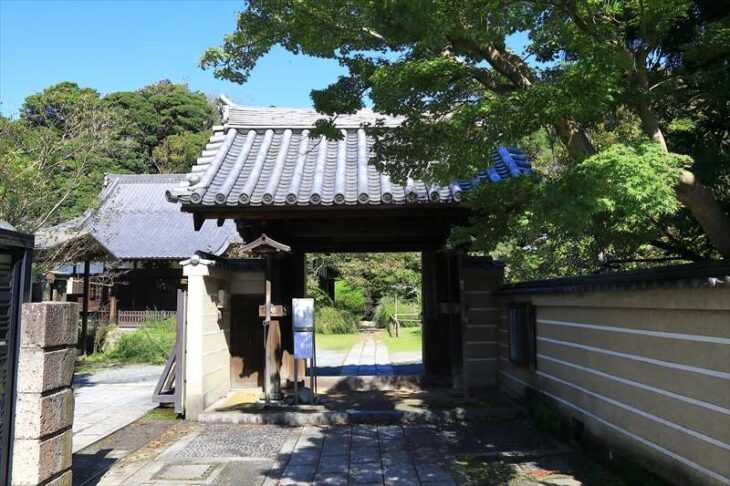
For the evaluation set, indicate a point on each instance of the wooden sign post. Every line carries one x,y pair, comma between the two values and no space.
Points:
303,329
268,247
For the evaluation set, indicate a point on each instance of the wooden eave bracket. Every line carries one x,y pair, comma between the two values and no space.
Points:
263,244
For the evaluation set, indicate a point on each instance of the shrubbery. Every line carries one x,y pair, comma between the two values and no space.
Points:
331,320
151,343
386,309
348,298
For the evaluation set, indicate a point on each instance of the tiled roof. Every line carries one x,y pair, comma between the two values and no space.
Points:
264,156
134,221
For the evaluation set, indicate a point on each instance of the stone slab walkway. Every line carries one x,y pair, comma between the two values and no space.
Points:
110,399
204,454
368,357
366,455
93,461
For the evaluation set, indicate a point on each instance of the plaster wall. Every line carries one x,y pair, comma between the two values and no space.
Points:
208,327
646,371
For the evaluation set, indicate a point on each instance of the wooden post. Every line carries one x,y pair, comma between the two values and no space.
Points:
181,314
267,322
85,308
112,310
397,324
462,323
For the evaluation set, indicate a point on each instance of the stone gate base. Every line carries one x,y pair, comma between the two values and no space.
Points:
45,403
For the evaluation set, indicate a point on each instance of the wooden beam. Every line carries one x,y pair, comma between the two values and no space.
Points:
414,211
85,308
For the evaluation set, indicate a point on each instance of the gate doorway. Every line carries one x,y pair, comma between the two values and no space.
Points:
368,313
247,334
263,170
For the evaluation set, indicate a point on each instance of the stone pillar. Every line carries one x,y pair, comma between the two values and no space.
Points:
44,407
207,353
195,270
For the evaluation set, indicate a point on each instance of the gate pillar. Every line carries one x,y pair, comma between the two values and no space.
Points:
207,353
480,277
45,403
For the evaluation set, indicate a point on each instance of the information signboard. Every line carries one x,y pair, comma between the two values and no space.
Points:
303,327
303,314
303,345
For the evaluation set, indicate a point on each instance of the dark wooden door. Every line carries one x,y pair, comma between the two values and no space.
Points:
247,342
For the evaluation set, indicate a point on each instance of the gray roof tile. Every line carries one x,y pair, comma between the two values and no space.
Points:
264,157
134,221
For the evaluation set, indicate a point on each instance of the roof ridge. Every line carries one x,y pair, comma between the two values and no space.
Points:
246,116
145,177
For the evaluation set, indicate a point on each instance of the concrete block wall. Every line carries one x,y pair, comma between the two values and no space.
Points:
44,408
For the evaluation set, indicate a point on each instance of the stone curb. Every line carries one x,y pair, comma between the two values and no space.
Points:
357,417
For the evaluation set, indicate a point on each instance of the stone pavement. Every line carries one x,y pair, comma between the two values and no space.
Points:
93,461
368,357
110,399
366,455
269,455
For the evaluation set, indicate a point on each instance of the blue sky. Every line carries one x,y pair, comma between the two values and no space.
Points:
122,45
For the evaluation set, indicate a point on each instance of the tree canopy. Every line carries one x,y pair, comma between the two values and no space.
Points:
54,157
622,105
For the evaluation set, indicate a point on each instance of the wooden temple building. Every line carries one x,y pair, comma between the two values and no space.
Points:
124,255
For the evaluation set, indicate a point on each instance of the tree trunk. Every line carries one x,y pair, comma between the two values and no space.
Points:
522,76
696,197
649,123
704,207
574,138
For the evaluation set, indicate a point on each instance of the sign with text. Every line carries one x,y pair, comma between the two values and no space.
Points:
303,345
303,324
276,310
303,314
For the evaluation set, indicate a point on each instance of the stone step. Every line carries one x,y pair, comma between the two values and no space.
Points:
369,383
297,418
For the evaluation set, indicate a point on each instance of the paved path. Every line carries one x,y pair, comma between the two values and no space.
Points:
368,357
109,399
366,455
420,455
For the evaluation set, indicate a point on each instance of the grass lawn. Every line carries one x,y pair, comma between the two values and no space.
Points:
336,342
409,340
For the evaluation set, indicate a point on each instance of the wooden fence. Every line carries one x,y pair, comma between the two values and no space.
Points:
400,319
134,319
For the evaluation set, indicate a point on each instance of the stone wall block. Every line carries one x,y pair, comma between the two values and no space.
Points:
41,415
36,460
40,371
44,405
49,324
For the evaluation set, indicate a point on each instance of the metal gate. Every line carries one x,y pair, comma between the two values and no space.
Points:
16,250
